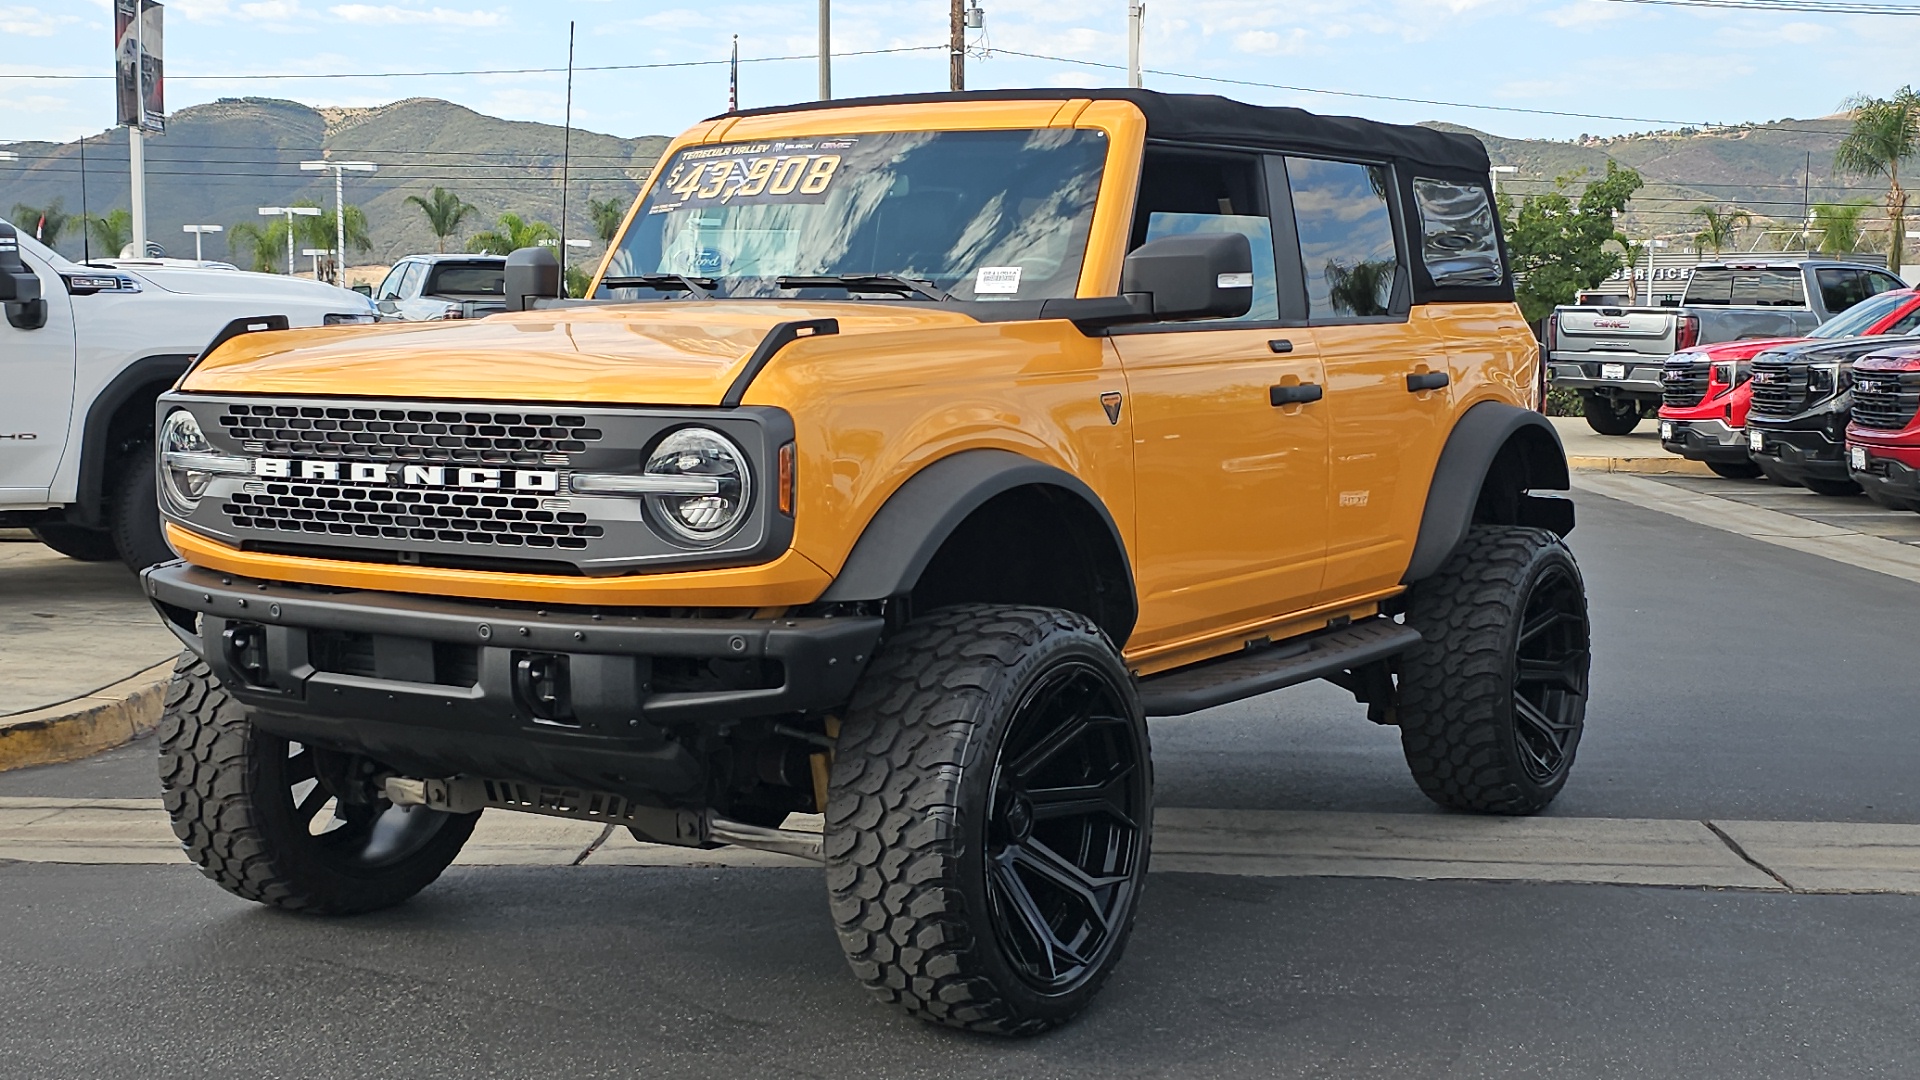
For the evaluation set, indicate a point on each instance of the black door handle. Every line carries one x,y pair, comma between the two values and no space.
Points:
1298,394
1280,345
1427,380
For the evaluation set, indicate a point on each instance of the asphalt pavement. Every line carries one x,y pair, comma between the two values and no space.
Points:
1732,679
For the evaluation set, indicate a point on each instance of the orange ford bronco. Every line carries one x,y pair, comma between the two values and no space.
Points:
910,453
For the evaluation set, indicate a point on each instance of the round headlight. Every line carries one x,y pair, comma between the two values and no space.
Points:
180,433
696,454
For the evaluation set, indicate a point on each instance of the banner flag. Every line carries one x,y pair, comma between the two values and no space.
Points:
139,71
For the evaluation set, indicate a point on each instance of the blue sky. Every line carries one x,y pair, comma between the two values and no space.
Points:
1587,56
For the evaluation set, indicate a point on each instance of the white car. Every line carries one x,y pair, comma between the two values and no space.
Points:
84,350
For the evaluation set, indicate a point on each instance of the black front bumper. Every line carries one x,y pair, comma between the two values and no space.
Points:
1698,440
1797,454
439,686
1891,480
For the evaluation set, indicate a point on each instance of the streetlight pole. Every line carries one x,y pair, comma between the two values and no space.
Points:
198,231
826,50
1496,171
291,212
1136,15
340,169
314,254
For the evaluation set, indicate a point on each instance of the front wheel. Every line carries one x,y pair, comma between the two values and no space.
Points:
285,824
77,542
133,512
1494,698
1610,416
1735,470
989,818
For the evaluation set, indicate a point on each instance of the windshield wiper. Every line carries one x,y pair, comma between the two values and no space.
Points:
898,284
698,288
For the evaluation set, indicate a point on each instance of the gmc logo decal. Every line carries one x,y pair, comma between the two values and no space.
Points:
378,472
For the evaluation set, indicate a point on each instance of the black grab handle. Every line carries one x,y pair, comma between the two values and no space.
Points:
1298,394
1427,380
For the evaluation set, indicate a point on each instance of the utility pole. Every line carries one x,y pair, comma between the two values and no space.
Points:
1136,14
957,43
826,50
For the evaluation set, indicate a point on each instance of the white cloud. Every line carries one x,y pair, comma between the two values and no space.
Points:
31,22
1794,33
394,15
1269,43
1585,13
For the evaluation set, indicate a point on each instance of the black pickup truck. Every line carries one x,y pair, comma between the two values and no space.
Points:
1802,400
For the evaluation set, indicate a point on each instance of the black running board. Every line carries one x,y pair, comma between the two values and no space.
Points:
1244,675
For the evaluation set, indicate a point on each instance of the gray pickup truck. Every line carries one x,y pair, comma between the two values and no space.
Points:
1613,355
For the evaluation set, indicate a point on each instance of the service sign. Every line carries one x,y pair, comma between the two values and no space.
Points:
139,72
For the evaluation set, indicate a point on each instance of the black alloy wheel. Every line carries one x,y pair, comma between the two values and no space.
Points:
1064,830
1550,675
355,837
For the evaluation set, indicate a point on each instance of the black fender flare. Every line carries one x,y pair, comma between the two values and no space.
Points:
909,528
1475,444
161,371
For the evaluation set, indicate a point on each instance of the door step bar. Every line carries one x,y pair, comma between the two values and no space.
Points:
1258,671
682,828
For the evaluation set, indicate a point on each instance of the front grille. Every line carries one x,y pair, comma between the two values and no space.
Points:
408,434
1885,400
455,517
1684,383
1779,387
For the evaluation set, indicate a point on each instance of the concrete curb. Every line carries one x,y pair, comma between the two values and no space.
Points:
85,725
1666,466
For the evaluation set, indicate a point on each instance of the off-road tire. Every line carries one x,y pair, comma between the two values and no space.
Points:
1610,416
1735,470
78,542
1831,488
133,511
220,780
1457,702
912,785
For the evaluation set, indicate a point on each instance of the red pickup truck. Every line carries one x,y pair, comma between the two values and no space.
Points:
1703,411
1883,441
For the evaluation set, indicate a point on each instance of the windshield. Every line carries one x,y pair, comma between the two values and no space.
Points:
983,215
1860,318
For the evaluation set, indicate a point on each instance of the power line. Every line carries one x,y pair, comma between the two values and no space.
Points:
1812,7
491,71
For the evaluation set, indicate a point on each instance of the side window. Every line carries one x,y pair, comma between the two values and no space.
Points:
390,285
1182,194
410,285
1841,288
1882,282
1457,240
1347,246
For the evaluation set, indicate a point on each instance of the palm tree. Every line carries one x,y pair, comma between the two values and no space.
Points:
511,233
1718,227
47,222
1886,132
1839,225
607,216
445,211
264,245
111,232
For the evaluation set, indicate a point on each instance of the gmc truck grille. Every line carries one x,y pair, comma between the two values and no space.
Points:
1779,387
1684,383
408,434
1885,400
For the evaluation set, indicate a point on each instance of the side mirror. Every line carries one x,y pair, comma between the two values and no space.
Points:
19,285
1202,276
533,274
364,290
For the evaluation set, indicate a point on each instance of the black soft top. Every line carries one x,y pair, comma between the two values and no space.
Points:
1209,118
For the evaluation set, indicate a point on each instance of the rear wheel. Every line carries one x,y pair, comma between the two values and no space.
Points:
1835,488
77,542
1610,416
286,824
1493,701
1735,470
989,818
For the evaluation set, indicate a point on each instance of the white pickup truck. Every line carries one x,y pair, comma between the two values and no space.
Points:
1614,355
84,350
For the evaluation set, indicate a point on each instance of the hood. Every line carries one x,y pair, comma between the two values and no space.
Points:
214,281
658,353
1738,350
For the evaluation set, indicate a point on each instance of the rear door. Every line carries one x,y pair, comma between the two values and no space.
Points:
1386,411
37,367
1231,437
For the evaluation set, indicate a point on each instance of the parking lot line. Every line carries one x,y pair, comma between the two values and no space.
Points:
1807,856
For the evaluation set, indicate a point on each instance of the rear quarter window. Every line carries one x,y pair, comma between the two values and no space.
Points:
468,280
1457,240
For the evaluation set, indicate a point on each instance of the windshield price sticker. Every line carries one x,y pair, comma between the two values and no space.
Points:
1002,280
767,172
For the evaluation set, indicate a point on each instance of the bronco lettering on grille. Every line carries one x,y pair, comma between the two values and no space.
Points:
375,472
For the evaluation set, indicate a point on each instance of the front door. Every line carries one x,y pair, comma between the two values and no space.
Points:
37,369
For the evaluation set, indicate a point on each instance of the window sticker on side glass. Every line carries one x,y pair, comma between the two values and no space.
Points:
779,171
996,279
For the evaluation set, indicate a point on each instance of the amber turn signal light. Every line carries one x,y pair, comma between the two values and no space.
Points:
785,485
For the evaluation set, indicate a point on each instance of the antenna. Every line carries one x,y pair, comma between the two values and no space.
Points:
566,158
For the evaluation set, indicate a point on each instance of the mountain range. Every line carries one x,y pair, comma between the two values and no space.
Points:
219,162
